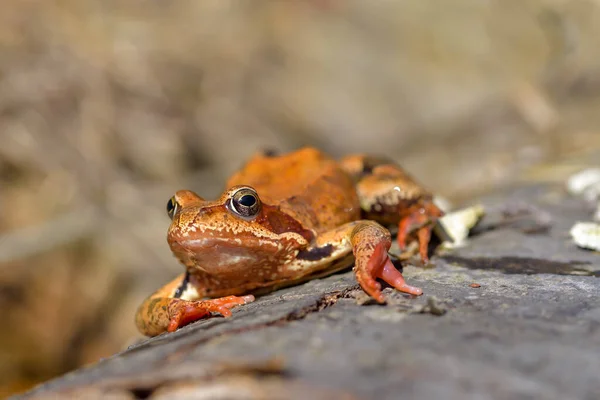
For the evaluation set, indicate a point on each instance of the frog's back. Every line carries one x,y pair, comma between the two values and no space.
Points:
306,183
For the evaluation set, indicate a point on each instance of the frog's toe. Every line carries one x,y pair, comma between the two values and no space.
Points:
392,276
223,304
404,228
366,275
380,267
185,312
424,235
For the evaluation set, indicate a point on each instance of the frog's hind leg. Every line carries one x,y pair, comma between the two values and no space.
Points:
370,245
389,195
177,304
422,218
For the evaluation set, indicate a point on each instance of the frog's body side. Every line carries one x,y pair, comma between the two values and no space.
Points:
308,224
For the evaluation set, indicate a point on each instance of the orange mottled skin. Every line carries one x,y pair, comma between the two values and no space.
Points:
283,220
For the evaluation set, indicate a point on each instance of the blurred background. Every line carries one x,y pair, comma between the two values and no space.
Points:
108,107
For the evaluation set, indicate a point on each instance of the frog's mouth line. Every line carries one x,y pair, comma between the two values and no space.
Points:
235,242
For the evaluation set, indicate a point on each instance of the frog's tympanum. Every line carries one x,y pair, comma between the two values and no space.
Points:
284,220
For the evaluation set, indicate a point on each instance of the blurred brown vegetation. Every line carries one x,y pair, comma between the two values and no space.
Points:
108,107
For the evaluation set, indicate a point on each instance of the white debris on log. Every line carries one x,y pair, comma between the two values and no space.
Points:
453,228
586,235
586,184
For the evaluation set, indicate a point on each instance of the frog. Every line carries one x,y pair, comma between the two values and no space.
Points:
284,219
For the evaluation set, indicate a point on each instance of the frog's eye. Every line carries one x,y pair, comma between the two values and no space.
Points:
172,207
245,202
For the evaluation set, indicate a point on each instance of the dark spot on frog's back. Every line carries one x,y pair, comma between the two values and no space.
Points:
370,162
522,265
316,253
270,152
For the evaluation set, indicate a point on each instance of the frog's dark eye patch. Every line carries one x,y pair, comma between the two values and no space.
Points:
172,207
245,202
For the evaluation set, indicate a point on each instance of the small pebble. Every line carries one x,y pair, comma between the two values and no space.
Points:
475,285
433,307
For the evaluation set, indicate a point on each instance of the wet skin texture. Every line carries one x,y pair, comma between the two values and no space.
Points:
283,220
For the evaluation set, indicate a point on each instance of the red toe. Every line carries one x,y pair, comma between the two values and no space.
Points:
380,266
393,277
367,278
185,312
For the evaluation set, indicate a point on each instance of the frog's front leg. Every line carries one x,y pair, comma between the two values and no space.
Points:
369,242
370,245
390,196
177,304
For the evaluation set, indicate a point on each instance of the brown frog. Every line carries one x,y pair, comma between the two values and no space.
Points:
284,220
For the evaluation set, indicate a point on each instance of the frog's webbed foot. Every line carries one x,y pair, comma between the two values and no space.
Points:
183,312
370,242
165,310
421,217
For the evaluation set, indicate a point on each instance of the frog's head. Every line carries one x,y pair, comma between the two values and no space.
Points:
236,234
